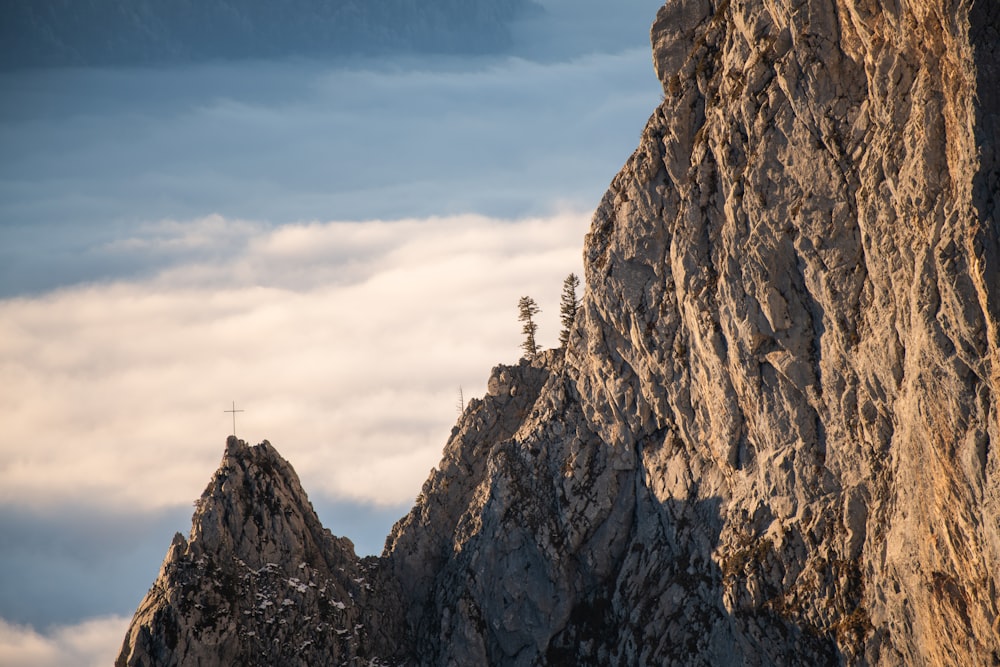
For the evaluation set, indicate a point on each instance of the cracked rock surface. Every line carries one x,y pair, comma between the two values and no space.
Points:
774,435
258,582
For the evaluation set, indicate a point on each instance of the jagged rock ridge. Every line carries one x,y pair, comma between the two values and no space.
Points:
773,436
259,581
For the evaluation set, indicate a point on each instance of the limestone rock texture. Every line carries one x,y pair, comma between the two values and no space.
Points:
774,435
258,582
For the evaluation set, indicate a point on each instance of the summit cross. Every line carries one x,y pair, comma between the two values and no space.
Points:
234,411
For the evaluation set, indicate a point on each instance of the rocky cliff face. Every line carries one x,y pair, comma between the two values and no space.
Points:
774,437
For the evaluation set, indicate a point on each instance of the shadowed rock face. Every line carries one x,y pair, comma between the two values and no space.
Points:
773,436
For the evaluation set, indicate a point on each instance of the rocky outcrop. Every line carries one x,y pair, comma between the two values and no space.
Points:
773,436
259,581
793,285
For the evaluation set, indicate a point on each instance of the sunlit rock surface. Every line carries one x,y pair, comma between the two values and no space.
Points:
773,437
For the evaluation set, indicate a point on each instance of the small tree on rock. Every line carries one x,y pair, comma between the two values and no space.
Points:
527,309
568,307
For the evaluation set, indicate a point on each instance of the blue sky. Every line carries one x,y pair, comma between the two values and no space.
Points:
338,248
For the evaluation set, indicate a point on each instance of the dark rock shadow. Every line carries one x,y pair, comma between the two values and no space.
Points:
668,602
984,33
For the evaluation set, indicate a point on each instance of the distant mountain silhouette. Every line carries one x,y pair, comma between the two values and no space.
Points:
59,33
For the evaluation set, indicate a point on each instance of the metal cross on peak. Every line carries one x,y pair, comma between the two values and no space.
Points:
234,411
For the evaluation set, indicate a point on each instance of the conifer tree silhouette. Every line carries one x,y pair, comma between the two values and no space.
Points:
568,307
527,309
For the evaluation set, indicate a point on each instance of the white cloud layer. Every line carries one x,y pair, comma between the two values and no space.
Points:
345,342
92,643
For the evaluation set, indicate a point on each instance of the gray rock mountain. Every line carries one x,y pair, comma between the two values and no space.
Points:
774,435
258,582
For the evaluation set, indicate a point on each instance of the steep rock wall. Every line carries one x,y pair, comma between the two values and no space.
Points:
786,358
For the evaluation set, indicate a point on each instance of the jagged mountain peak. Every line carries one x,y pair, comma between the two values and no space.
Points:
259,581
255,509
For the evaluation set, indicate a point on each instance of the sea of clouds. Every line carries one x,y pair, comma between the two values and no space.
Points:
339,248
